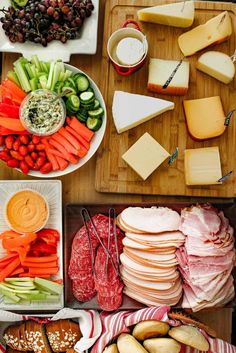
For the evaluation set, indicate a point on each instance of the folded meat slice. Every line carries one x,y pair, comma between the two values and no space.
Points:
132,244
150,220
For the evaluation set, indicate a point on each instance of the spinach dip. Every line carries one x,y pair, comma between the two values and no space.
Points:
40,115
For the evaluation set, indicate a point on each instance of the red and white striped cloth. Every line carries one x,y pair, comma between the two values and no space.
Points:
115,324
89,320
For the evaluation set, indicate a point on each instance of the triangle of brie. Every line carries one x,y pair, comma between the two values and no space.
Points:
130,110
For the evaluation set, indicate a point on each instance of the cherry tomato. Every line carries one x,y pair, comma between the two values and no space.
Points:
40,147
31,147
42,154
40,161
29,161
23,150
1,140
16,145
46,168
24,167
13,163
24,139
34,155
16,155
9,140
36,140
4,156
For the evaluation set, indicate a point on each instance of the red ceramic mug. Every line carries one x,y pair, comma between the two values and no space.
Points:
116,37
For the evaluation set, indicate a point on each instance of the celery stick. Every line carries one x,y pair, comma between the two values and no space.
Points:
22,75
36,62
29,70
67,74
58,68
61,77
45,67
43,81
33,69
34,84
50,76
39,86
48,65
13,77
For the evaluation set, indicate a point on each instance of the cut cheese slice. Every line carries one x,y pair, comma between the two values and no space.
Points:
130,110
177,14
202,166
145,156
216,30
160,72
130,51
217,65
205,117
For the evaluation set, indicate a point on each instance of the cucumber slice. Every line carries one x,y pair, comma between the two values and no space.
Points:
87,97
19,279
98,113
72,90
49,286
94,123
82,83
90,89
96,104
73,103
87,107
81,118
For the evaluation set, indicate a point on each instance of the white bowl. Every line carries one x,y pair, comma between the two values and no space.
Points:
96,140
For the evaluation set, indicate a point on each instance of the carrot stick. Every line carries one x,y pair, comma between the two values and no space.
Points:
41,265
21,251
27,274
51,157
81,129
67,155
17,271
7,258
82,141
82,152
63,164
21,240
64,142
9,234
41,259
70,138
7,271
44,271
12,124
14,88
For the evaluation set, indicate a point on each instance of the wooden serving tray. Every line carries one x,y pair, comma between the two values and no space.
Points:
169,129
73,222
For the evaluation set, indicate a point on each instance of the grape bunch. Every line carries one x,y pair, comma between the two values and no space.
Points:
42,21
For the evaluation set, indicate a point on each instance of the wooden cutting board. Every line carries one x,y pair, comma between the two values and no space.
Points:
169,129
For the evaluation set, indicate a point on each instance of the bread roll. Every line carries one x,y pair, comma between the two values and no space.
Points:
111,349
12,337
190,336
62,334
150,328
162,345
128,344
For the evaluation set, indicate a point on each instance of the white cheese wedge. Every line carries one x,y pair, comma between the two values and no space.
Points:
217,65
130,110
202,166
130,51
145,156
161,70
175,14
216,30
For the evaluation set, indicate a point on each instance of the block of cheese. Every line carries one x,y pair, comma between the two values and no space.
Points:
130,110
161,70
217,65
177,14
205,117
216,30
145,155
202,166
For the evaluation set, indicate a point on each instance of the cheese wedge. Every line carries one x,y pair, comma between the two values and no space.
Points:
175,14
205,117
145,156
161,70
202,166
130,110
217,65
216,30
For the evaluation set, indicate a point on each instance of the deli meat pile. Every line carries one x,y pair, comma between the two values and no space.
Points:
207,258
149,265
99,278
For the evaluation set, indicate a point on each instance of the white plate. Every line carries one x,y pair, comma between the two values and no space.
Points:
96,140
52,191
86,44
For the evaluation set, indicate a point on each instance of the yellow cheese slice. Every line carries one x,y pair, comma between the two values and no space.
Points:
205,117
202,166
216,30
177,14
160,71
145,156
217,65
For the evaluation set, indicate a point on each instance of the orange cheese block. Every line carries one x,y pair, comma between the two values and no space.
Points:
205,117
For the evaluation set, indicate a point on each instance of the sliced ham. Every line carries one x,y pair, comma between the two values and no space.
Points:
150,220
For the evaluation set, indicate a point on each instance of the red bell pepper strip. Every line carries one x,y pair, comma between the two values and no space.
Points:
14,88
50,236
10,111
40,248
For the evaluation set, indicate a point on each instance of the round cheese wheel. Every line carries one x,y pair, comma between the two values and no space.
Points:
130,51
